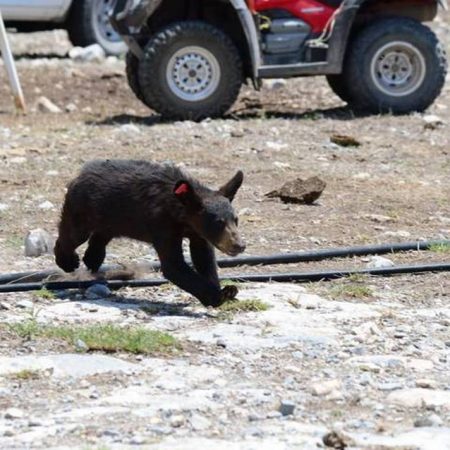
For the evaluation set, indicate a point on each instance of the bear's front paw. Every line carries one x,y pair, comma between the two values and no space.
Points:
229,293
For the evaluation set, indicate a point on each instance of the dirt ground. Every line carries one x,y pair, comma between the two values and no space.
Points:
394,187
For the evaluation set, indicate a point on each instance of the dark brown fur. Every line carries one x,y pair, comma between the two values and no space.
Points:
142,201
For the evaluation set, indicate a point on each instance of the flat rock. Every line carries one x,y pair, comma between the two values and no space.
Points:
38,242
45,105
299,191
417,397
66,365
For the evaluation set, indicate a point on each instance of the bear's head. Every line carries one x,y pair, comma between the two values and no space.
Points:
210,213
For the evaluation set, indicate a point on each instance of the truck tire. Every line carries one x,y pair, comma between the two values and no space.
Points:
394,65
132,71
88,23
190,71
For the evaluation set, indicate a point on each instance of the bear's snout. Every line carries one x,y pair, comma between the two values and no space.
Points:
231,242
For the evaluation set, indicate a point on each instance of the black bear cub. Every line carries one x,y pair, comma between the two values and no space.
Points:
155,203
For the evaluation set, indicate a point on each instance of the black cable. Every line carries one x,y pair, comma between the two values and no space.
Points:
280,258
279,277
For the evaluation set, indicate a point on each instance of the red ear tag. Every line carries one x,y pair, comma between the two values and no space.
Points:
182,189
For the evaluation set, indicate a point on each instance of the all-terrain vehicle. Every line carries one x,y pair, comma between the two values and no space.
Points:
188,58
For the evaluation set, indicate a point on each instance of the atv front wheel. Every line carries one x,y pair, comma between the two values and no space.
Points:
394,65
190,70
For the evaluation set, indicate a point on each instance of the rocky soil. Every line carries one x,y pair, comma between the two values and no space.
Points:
358,363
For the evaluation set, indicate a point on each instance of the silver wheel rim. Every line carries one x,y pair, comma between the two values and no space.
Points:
193,73
398,69
102,23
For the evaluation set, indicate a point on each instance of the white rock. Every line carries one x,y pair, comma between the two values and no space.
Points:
325,387
426,383
432,121
25,304
14,413
92,53
418,397
199,423
38,242
45,105
3,206
71,107
275,83
46,205
129,128
378,262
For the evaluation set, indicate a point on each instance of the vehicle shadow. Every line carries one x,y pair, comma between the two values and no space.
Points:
343,113
124,119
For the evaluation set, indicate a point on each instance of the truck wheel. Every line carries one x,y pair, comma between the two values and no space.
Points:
395,65
190,70
88,23
132,71
338,85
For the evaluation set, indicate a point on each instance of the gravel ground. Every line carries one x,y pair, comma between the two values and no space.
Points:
355,363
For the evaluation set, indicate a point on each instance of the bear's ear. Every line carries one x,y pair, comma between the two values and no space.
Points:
186,194
229,189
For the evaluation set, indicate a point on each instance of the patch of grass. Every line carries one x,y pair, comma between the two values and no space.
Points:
224,283
26,374
440,248
45,294
102,337
351,291
250,305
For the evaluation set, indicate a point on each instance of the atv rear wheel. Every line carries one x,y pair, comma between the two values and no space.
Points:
394,65
190,70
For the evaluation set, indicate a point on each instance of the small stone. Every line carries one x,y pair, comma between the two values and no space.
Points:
35,423
299,191
46,205
221,343
137,440
433,420
432,122
199,423
14,413
71,107
97,291
378,262
426,383
5,306
45,105
81,346
344,140
379,218
275,83
177,421
25,304
38,242
325,387
286,408
389,386
129,128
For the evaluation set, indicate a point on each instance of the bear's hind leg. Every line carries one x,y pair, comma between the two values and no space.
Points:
96,251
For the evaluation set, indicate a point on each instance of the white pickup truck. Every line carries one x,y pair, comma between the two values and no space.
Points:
87,21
